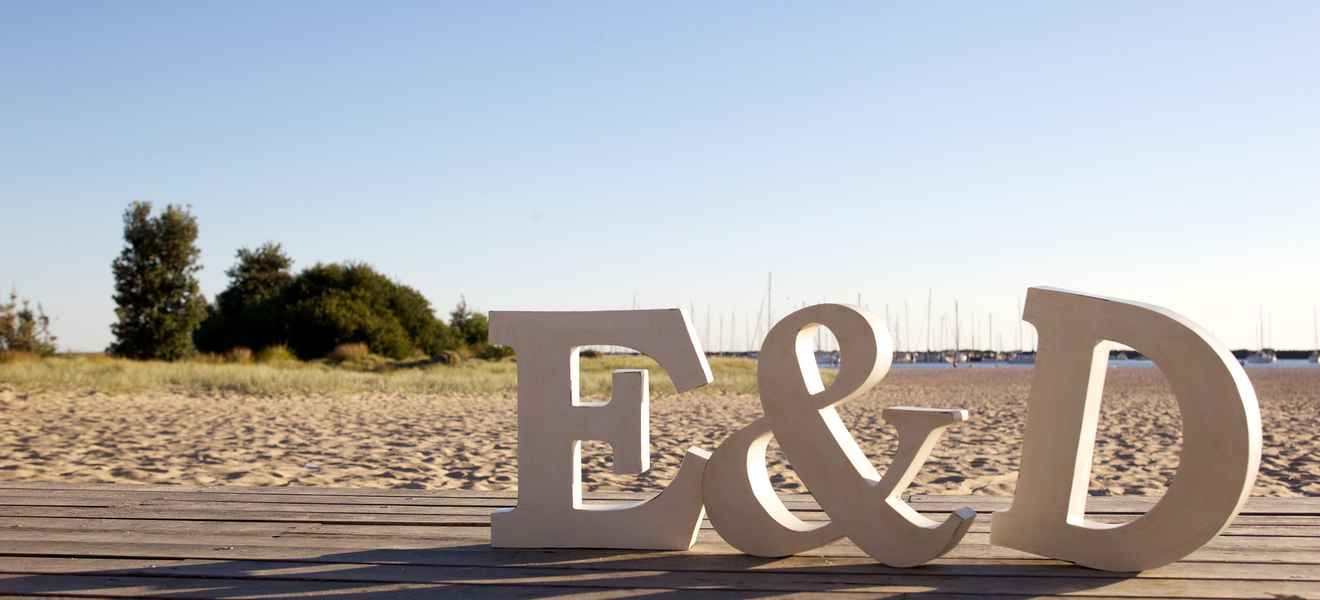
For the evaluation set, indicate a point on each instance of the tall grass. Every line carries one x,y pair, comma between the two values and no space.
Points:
476,377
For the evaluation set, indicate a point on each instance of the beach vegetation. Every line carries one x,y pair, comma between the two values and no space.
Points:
276,355
241,355
349,352
486,351
329,306
333,306
247,312
207,358
340,303
24,330
15,356
326,306
472,329
266,377
449,357
158,299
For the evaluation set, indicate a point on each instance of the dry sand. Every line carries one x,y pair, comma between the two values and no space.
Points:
431,442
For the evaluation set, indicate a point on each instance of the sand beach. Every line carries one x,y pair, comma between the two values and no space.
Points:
401,439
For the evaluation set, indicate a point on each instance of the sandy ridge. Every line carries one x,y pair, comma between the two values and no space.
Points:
430,441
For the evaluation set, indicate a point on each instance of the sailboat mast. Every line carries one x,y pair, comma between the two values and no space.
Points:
930,294
819,330
944,326
1260,329
747,327
747,334
889,325
907,323
719,341
956,318
1019,314
707,343
756,333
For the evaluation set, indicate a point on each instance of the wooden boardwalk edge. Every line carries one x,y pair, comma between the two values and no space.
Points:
96,540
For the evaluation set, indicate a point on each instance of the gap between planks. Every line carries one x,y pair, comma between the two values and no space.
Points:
1003,581
96,521
100,495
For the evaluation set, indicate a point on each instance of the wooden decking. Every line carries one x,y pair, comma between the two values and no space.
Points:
176,542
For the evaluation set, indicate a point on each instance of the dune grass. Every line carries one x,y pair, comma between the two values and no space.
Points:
476,377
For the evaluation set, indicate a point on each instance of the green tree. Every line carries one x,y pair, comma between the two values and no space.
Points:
472,329
331,304
247,313
23,329
159,302
259,275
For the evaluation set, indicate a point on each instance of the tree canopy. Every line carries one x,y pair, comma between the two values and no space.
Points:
161,313
331,304
23,329
324,306
247,313
158,300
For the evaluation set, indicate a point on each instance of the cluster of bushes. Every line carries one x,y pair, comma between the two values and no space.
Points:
24,331
340,311
242,355
473,333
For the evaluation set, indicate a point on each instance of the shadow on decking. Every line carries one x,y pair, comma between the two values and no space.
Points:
481,570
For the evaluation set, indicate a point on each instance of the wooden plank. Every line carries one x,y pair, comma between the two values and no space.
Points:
130,498
478,531
283,490
1272,503
425,505
99,586
385,525
1224,549
1133,505
425,514
259,501
126,587
1006,581
387,493
189,509
347,518
599,559
1098,504
728,560
110,540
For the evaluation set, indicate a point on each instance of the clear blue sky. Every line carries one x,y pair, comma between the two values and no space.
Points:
550,155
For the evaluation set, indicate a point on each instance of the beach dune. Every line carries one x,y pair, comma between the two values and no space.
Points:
431,441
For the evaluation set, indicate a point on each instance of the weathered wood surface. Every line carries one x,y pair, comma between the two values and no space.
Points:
82,540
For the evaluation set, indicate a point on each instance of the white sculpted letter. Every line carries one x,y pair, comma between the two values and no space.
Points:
1221,435
799,411
552,422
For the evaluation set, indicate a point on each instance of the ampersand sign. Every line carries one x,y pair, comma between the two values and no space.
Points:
800,413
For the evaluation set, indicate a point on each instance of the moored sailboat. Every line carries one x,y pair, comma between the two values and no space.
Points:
1315,340
1264,356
